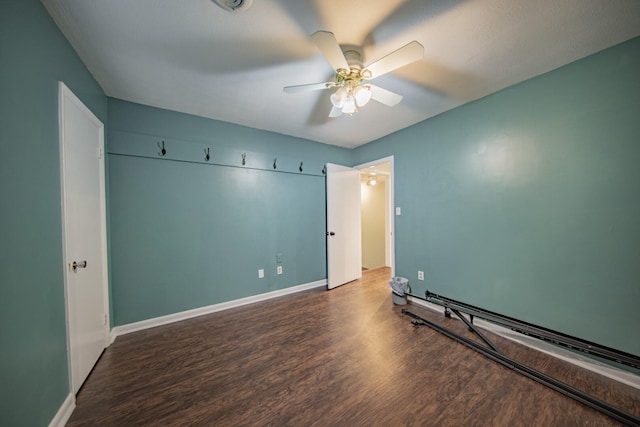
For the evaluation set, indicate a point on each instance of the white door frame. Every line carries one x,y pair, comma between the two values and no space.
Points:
390,208
64,93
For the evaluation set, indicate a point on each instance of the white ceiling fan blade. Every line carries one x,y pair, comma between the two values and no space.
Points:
307,88
335,112
407,54
385,96
330,48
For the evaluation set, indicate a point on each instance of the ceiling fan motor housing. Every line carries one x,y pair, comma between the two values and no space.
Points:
355,74
354,58
234,5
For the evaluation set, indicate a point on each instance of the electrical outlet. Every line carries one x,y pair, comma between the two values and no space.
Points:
420,275
261,273
398,211
279,269
279,258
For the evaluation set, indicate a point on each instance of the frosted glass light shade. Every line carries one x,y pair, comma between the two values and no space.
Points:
349,106
338,97
362,95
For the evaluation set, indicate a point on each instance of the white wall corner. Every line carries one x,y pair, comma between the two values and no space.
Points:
64,413
112,336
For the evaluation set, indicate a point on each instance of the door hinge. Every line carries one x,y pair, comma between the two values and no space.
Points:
105,319
99,153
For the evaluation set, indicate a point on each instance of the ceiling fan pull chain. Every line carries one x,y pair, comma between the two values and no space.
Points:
207,156
300,168
162,152
274,163
244,159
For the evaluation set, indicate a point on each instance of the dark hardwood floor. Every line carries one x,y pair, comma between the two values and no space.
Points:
345,357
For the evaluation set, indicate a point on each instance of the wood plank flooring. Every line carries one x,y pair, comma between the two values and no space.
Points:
345,357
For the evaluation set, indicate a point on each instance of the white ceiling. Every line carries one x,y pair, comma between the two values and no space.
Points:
192,56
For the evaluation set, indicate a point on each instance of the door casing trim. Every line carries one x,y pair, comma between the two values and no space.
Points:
390,208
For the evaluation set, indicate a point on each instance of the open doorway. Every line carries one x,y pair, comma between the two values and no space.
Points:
376,185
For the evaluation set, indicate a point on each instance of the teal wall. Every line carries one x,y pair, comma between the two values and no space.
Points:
33,360
186,233
527,202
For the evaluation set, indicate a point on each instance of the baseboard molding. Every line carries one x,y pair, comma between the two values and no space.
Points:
64,413
69,404
184,315
608,371
111,337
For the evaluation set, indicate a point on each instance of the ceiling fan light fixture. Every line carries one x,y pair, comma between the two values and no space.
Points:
338,97
362,95
350,73
234,5
349,106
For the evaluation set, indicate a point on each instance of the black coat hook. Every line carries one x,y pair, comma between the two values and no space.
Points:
244,159
300,168
162,149
207,157
324,170
275,161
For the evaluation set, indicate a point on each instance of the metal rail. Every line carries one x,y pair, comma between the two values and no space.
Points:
567,390
475,330
539,332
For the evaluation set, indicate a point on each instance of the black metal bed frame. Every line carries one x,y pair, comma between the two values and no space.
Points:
492,352
539,332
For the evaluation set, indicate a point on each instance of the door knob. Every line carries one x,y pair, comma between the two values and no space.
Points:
76,265
331,233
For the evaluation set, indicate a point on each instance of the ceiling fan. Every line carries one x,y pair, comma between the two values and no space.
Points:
351,75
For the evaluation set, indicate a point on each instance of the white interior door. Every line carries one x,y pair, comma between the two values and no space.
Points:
344,241
84,234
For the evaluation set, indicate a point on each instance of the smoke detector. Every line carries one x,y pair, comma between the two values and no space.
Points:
234,5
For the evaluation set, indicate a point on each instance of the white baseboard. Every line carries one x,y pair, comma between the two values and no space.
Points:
64,413
111,337
69,404
183,315
593,365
